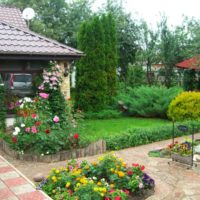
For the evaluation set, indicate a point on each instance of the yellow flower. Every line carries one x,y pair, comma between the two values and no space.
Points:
94,163
121,174
67,184
120,159
99,183
83,180
53,191
100,158
54,179
57,171
102,194
96,189
78,184
123,164
112,185
86,167
112,169
116,172
103,190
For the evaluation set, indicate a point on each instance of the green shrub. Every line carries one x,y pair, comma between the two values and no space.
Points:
136,137
148,101
189,79
2,109
186,106
104,114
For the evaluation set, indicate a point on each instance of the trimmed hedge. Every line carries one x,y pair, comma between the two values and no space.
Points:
2,109
136,137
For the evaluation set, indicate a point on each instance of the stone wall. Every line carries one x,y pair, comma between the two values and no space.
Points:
94,148
65,87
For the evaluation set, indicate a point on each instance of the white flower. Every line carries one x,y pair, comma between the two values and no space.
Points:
22,105
141,185
47,152
22,125
17,129
15,133
42,154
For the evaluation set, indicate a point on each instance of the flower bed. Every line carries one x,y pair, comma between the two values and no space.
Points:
109,179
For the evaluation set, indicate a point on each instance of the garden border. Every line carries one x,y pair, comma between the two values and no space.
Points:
94,148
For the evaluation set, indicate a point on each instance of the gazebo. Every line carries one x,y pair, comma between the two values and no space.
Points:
24,51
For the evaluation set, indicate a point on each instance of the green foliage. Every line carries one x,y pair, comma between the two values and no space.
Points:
103,114
110,52
189,81
148,101
186,106
96,72
136,76
3,109
136,137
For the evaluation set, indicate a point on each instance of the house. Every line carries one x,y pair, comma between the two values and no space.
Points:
24,51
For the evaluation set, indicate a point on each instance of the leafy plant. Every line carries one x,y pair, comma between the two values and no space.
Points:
186,106
3,109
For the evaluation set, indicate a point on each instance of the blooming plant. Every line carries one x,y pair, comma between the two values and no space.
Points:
114,181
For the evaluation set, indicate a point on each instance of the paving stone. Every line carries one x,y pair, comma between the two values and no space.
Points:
3,164
12,198
9,175
5,193
15,181
22,189
2,185
6,169
36,195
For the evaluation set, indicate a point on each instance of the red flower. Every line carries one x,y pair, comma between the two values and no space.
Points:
76,136
129,172
142,167
70,192
37,123
14,139
111,191
126,191
107,198
33,115
47,131
117,198
135,165
25,114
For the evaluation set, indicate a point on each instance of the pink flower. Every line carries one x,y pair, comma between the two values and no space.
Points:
53,78
44,95
117,198
34,129
135,165
56,119
27,129
41,87
33,115
11,106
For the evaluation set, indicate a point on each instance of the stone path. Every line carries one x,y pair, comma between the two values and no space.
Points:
15,186
173,182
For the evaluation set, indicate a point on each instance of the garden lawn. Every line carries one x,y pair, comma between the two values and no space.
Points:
99,128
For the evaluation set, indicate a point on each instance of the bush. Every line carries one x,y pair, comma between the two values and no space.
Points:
186,106
189,79
104,114
3,109
148,101
136,137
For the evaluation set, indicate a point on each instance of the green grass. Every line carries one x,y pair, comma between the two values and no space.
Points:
97,129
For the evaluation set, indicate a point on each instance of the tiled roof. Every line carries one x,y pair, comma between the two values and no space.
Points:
192,63
12,16
17,39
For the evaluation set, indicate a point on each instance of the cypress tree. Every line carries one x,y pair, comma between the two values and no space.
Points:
91,85
110,52
189,80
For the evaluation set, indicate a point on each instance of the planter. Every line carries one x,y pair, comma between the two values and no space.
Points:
94,148
143,195
182,159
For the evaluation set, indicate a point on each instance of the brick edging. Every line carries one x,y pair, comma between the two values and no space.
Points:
94,148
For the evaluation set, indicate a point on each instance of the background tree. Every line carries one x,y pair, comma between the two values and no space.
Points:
91,87
110,52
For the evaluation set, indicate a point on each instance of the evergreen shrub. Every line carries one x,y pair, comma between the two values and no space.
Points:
186,106
148,101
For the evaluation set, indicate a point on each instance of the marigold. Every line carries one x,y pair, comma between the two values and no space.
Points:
121,174
67,184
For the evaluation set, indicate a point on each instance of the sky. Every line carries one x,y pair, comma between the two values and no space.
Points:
150,10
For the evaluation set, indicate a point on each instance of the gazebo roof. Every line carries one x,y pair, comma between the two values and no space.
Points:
192,63
17,41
